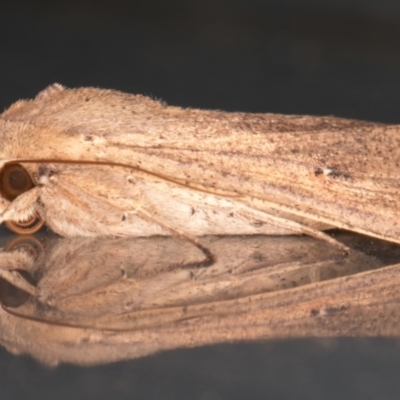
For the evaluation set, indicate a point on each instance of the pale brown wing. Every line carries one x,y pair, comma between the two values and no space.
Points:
341,172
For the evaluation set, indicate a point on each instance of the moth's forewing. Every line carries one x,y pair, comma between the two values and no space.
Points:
111,200
331,171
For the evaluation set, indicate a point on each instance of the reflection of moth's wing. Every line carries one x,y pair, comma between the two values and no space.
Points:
93,264
364,304
125,284
339,172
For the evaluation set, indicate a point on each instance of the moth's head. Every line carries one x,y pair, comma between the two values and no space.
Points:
16,180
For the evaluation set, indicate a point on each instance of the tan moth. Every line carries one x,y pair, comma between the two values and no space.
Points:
93,162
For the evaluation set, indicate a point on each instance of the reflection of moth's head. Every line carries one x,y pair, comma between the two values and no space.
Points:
14,180
12,296
30,245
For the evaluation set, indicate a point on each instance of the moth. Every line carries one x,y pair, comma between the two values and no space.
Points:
94,162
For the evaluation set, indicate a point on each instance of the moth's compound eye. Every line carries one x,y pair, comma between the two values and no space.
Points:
14,180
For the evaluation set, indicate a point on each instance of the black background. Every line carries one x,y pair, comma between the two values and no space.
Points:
332,57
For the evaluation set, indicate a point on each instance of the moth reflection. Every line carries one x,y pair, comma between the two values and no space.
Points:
78,280
50,285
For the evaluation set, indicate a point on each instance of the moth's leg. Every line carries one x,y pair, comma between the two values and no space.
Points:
209,260
9,263
295,227
22,208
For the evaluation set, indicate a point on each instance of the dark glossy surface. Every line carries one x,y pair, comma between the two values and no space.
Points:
336,58
303,369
